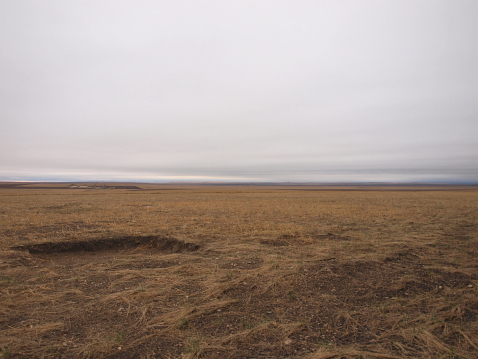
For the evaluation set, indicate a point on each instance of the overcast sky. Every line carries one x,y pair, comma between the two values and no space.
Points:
239,90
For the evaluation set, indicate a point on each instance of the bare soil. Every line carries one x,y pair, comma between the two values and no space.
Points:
170,245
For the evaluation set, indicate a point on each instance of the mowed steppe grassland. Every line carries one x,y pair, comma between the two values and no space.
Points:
239,272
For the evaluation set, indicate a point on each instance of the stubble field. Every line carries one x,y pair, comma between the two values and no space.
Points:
238,272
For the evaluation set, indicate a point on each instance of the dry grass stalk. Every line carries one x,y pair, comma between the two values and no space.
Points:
239,272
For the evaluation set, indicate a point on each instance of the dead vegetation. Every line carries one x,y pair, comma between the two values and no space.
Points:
238,272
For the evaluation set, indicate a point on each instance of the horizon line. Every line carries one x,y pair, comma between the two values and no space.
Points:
259,183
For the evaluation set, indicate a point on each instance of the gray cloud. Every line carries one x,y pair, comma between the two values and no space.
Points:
268,90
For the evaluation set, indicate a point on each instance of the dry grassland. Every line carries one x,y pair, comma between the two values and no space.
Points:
238,272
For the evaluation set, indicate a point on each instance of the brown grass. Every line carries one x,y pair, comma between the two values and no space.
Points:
238,272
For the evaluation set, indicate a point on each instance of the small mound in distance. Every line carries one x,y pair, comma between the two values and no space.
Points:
164,244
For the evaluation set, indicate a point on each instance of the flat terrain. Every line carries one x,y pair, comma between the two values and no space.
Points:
181,271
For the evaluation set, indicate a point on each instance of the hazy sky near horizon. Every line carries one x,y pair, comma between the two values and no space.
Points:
239,90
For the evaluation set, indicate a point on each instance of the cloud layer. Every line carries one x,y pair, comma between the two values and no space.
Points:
246,90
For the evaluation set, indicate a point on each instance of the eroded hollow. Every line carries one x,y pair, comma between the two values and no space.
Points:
164,244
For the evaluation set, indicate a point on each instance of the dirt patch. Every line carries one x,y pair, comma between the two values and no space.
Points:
403,257
328,302
295,239
251,263
331,236
276,242
164,244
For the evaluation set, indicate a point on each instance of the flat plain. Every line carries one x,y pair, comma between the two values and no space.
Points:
209,271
